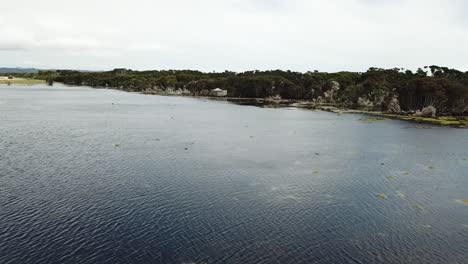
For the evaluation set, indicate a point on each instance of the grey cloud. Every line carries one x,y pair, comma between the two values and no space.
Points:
235,34
11,46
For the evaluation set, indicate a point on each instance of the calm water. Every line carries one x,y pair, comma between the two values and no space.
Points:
103,176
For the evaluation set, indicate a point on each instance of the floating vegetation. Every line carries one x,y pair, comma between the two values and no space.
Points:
372,119
400,194
454,121
418,207
382,195
116,145
462,201
406,173
290,197
432,167
418,127
316,172
465,158
390,177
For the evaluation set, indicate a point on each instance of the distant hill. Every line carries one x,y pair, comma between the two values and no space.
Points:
18,70
32,70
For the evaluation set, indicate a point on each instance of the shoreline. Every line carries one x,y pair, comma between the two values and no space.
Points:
447,121
19,81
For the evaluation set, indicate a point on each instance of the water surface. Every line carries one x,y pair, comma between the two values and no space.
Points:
104,176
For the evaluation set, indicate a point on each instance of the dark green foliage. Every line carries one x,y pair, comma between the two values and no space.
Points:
444,88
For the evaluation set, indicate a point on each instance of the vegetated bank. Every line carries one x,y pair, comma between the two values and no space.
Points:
21,81
431,94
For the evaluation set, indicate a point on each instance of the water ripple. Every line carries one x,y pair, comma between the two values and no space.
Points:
85,181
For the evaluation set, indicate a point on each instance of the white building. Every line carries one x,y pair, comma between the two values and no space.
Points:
218,92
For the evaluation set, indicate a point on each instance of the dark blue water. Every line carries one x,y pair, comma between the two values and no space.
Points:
103,176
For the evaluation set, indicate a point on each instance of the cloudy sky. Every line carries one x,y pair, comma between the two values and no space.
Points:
302,35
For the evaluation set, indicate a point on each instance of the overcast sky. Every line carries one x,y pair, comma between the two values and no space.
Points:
301,35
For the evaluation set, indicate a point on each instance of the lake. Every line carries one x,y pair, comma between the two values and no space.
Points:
105,176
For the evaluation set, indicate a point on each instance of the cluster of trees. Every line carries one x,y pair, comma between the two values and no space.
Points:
445,89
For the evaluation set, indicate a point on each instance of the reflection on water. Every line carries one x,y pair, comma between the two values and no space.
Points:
261,102
102,176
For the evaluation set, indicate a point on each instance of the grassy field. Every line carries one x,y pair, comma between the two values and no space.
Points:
23,81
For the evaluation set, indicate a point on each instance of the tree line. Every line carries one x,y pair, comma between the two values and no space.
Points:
441,87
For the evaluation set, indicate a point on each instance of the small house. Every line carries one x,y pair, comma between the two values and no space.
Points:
218,92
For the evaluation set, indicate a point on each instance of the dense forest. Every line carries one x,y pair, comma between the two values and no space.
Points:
394,90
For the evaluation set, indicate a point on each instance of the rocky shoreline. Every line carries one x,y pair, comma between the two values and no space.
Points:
452,121
425,116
